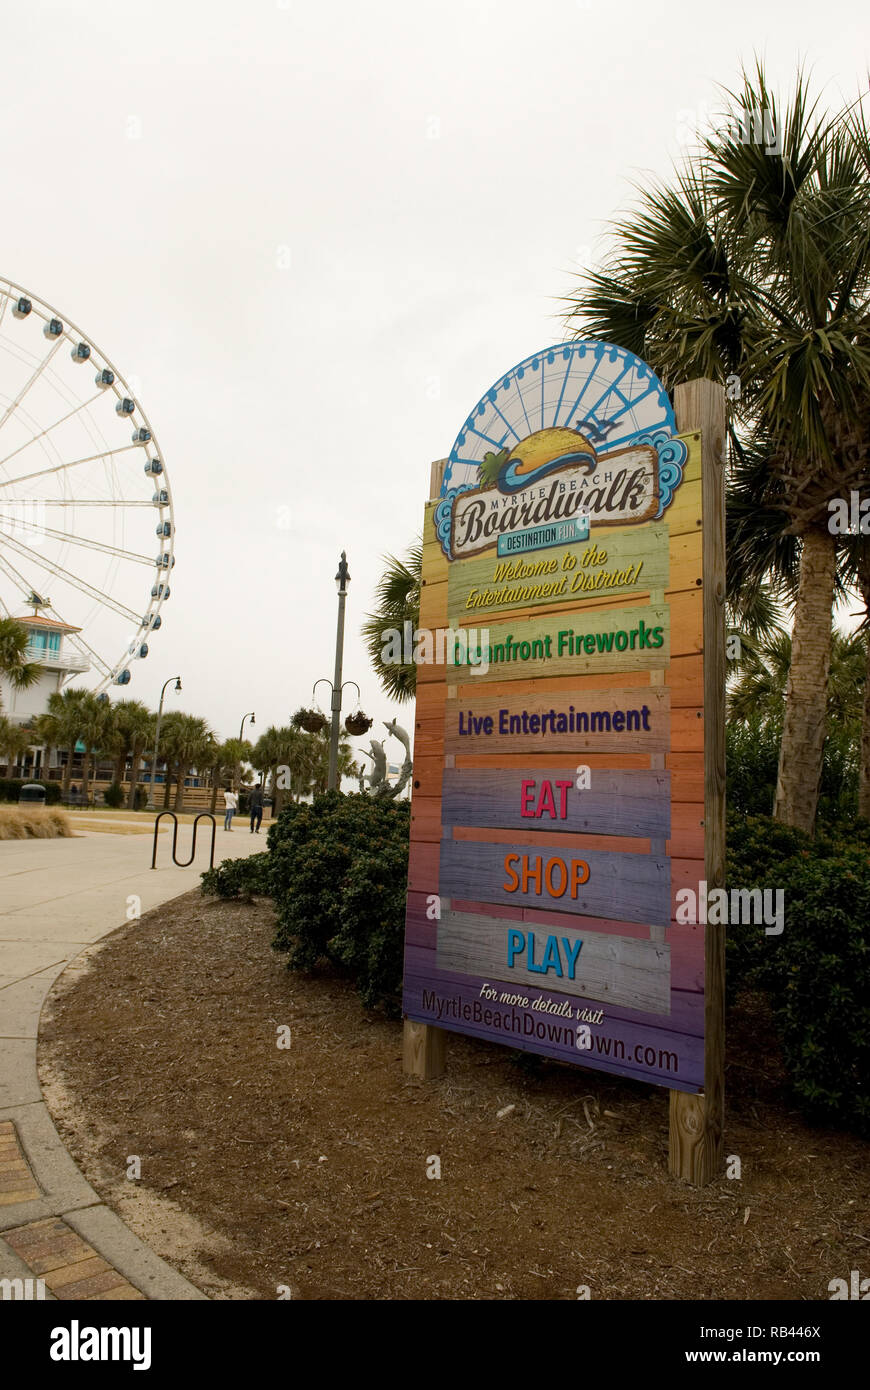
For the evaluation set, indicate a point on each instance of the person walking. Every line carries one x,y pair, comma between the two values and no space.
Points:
256,800
231,802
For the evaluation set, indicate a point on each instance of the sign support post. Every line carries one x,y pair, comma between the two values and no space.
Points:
424,1048
695,1147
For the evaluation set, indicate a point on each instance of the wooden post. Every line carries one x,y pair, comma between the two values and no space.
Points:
424,1048
697,1121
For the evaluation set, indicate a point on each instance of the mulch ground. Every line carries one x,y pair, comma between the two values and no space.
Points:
306,1167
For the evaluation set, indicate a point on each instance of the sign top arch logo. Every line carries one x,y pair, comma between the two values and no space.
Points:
577,436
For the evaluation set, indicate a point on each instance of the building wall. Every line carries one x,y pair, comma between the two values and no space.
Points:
20,706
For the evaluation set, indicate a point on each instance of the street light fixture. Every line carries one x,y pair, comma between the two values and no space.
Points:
242,729
150,805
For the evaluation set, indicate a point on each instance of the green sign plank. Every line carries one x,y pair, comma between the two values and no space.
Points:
568,644
631,561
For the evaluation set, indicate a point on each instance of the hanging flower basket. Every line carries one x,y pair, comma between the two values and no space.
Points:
358,723
311,720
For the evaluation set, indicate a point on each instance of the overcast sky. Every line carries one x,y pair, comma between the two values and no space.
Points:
315,233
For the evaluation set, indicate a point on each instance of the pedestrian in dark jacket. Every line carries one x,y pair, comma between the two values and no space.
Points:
256,809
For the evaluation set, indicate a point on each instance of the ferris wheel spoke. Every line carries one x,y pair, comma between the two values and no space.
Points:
42,433
35,377
51,568
18,580
19,522
73,463
81,502
4,607
76,640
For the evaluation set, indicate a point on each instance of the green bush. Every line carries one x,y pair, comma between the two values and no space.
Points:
752,763
339,878
239,878
821,987
817,972
114,795
370,941
10,788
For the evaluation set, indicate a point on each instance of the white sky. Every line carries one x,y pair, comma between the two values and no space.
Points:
316,233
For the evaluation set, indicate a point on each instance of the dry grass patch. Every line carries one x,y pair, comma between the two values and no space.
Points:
34,823
79,823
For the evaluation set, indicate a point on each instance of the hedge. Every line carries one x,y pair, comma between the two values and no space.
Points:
339,878
817,972
10,788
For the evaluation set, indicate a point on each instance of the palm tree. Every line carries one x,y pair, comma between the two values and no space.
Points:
397,597
132,724
188,742
316,772
856,572
757,265
227,762
14,666
139,723
14,741
762,679
863,580
61,727
168,740
95,731
287,747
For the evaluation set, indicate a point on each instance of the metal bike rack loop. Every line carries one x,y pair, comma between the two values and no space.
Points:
203,815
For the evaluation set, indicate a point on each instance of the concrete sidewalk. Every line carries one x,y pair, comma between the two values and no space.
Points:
58,897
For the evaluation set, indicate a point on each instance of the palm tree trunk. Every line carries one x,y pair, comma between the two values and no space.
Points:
214,791
276,795
806,696
134,778
864,773
168,788
179,787
66,777
86,772
120,768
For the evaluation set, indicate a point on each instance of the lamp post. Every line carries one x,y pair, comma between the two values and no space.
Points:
242,729
150,805
342,579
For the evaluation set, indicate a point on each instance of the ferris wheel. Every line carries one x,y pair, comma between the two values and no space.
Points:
87,534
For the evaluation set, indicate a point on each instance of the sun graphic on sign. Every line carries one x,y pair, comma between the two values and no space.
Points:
533,458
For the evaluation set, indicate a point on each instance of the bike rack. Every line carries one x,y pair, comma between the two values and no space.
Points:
203,815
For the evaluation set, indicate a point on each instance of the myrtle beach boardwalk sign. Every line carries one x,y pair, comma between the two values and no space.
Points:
560,799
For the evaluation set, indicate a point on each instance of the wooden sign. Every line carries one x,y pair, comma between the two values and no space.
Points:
569,752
